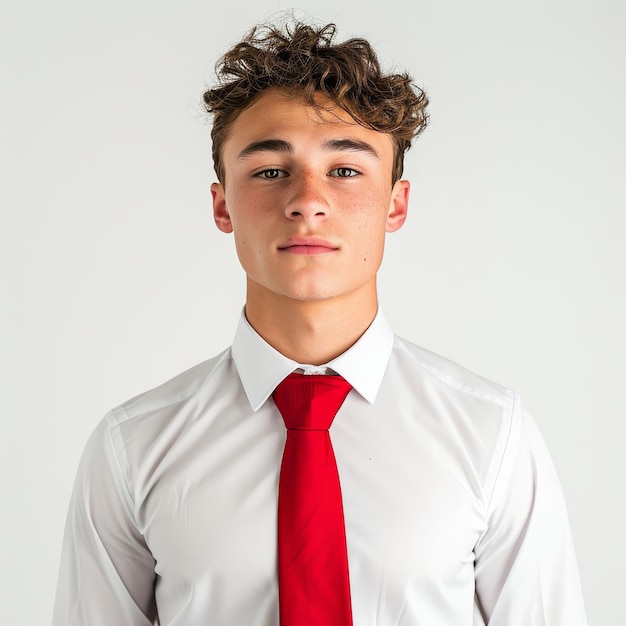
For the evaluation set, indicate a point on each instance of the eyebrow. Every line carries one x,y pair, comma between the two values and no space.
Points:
265,145
350,145
331,145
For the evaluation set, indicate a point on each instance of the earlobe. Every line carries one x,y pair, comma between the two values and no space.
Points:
220,211
398,206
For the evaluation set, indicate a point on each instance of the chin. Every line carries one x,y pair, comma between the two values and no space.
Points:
308,290
310,296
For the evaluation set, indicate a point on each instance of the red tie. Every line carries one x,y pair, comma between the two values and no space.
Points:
313,583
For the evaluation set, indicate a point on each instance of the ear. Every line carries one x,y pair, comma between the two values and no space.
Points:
398,205
220,210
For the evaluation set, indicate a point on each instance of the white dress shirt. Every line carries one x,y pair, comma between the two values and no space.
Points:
454,514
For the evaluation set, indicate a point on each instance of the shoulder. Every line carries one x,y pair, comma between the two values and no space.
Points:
480,419
451,377
175,391
134,434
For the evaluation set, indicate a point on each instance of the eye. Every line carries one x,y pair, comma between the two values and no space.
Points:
271,173
344,172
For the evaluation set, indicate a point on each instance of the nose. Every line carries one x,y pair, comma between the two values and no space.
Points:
307,200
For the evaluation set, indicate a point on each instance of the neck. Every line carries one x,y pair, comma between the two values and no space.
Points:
311,332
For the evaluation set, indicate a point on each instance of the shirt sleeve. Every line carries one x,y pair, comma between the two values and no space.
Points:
107,572
525,567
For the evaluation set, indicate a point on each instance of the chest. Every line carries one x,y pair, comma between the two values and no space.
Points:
411,500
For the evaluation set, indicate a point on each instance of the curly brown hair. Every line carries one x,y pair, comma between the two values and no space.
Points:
305,61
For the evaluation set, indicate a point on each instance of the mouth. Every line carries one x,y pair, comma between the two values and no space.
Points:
307,246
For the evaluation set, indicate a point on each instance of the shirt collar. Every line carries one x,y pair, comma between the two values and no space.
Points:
261,368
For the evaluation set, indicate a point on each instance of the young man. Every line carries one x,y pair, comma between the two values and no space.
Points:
432,501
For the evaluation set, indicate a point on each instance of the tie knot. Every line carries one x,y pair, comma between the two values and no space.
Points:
310,402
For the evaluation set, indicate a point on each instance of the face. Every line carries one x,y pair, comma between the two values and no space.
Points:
309,200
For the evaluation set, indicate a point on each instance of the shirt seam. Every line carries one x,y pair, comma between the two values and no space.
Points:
123,466
120,415
505,448
507,396
124,406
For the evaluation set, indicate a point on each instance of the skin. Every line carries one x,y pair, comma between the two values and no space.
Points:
309,200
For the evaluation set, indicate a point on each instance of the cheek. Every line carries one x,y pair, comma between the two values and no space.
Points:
368,219
368,241
252,225
248,209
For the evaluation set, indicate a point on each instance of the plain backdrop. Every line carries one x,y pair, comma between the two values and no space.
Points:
115,279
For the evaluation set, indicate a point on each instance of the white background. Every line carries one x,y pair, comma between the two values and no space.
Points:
114,277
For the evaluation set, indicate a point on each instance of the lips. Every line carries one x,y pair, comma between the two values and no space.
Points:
307,245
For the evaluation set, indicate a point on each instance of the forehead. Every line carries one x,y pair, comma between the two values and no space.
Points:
277,115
